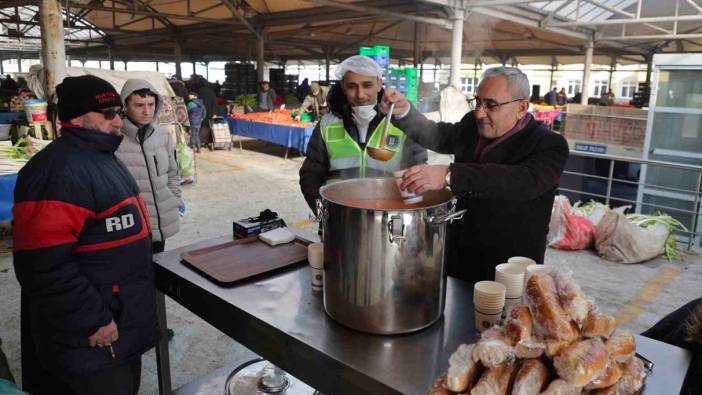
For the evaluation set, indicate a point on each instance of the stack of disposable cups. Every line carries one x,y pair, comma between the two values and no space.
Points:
522,261
488,300
533,269
512,277
315,256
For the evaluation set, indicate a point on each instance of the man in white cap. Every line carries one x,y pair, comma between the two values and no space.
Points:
338,147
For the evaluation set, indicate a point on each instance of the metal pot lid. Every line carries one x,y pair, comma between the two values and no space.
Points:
260,377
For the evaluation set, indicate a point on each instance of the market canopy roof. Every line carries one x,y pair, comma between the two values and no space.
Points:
495,31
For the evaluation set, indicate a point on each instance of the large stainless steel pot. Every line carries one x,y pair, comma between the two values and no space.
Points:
383,267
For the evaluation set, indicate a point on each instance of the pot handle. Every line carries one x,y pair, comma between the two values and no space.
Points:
396,230
320,216
448,217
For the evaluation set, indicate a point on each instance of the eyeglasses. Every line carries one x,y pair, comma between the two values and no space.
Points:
487,104
110,113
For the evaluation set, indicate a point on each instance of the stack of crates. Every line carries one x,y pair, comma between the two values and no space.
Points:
405,80
381,55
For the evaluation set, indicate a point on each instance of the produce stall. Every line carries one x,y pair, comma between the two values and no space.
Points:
276,127
279,317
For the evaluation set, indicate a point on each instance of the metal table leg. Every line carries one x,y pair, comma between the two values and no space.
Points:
163,364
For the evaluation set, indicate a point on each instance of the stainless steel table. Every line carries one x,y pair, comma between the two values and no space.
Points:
278,317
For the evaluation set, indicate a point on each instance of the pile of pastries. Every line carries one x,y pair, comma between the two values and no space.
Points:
555,343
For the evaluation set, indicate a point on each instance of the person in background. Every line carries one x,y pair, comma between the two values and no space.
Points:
9,84
683,328
266,97
196,114
316,102
217,87
148,151
562,98
179,88
82,254
506,172
303,90
338,147
207,95
551,98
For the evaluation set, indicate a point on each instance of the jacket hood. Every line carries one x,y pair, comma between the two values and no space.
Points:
133,85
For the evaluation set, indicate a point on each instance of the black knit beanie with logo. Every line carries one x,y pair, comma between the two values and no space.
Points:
81,95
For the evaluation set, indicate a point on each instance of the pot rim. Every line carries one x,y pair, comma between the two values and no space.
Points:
326,199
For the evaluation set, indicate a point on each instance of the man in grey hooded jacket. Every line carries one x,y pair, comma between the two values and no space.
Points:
148,151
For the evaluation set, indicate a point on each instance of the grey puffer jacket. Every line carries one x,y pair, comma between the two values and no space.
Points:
153,165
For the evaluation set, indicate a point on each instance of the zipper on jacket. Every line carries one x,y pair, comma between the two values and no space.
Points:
153,190
156,165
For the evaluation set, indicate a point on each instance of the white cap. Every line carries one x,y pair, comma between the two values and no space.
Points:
359,64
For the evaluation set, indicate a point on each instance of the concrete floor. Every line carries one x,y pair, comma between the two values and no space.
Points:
237,184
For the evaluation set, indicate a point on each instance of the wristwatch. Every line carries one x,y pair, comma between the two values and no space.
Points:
448,178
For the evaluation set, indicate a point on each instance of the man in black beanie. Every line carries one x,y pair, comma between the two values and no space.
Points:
82,254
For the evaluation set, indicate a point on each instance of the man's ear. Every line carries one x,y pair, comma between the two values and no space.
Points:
78,121
523,108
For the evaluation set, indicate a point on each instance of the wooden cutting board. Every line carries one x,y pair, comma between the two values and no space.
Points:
243,258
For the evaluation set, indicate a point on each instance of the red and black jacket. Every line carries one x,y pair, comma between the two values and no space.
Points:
82,253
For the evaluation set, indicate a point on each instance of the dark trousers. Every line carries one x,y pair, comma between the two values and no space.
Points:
119,380
158,246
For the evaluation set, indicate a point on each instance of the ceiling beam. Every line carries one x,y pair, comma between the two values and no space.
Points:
627,21
233,8
379,11
131,11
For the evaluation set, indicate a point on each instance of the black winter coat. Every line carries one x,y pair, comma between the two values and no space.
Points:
509,195
82,254
315,169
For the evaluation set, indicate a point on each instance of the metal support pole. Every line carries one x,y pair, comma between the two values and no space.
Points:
327,63
19,64
456,48
125,64
260,58
553,70
111,57
696,212
53,47
2,68
610,179
178,56
157,65
163,363
612,68
417,49
586,72
649,68
207,71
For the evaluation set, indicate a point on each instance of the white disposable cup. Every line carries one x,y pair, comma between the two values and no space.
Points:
315,256
521,261
407,197
486,318
489,295
512,277
533,269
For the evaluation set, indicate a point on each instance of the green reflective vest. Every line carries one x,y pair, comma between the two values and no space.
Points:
345,153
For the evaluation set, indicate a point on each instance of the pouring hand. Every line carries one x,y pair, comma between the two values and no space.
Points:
390,96
423,178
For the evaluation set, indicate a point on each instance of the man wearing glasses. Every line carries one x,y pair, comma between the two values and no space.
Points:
506,172
82,254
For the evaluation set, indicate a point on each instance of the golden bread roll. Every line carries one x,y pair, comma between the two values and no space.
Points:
611,390
550,320
519,323
581,362
601,325
560,387
608,378
621,346
633,376
439,387
574,301
494,381
530,348
463,371
554,347
494,348
531,378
